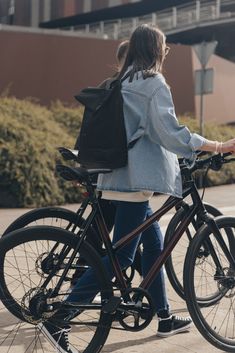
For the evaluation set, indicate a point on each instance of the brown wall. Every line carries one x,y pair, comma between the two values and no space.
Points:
178,71
52,67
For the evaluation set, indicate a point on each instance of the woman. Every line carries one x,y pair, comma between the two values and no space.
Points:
152,163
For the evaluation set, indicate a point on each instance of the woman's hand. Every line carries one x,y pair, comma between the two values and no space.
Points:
218,147
228,146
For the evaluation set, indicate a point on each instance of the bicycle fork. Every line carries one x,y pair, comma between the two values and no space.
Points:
220,271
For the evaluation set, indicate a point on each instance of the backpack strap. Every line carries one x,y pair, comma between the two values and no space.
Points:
116,79
125,76
132,143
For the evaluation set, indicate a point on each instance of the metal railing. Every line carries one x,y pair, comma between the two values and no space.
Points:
169,20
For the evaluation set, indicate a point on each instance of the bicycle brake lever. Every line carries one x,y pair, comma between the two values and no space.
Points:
216,162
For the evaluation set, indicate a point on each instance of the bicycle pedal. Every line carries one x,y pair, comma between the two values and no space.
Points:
111,306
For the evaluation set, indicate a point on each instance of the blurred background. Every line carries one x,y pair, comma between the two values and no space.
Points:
51,49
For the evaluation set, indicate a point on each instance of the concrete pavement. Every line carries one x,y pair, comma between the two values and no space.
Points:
121,341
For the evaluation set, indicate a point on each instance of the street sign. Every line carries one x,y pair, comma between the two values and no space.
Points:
204,50
204,77
204,81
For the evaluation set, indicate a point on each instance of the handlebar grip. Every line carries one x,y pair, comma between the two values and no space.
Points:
227,154
201,153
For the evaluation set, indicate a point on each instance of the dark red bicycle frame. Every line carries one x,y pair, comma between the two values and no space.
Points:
168,205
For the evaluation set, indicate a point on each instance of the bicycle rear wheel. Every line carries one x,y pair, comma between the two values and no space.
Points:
28,258
50,216
57,217
69,220
175,262
215,322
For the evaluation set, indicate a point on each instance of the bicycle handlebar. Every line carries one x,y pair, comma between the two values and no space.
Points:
214,162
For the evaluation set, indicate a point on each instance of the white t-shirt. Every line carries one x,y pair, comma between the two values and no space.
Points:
136,196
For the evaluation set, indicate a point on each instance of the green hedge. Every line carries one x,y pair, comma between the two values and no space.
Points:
69,118
29,136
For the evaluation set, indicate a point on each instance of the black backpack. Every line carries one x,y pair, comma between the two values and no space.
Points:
102,142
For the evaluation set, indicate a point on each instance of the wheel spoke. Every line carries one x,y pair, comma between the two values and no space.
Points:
216,321
28,259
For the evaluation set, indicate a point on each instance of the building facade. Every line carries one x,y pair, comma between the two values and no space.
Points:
58,65
54,64
32,12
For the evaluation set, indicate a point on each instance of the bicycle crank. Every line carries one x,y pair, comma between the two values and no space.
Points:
136,311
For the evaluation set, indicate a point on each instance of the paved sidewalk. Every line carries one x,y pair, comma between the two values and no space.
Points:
146,340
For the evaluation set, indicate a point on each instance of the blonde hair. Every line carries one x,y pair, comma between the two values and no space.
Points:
122,50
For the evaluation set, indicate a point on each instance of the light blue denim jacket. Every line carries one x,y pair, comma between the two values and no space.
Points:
152,163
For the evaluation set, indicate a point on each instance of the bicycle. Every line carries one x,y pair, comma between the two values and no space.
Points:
175,278
46,279
71,221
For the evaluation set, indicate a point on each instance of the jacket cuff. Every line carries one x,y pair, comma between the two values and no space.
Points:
197,141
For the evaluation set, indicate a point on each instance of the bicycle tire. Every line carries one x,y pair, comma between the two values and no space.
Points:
66,219
215,323
26,239
175,262
51,216
58,217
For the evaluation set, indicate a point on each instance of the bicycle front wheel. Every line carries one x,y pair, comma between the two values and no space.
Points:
32,263
175,263
213,271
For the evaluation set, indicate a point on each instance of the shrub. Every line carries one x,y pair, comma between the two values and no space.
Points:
69,118
29,136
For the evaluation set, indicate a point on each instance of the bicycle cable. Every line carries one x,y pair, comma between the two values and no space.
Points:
203,179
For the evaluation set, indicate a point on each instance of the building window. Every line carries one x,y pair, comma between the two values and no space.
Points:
46,10
87,6
114,2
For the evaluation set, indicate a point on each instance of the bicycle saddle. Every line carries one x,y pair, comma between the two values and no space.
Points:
68,154
80,175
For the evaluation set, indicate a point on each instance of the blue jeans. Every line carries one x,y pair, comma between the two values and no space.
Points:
130,215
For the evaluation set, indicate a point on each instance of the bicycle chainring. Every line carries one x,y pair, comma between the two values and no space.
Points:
136,311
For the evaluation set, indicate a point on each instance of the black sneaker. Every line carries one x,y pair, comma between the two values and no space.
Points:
173,324
57,328
58,336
